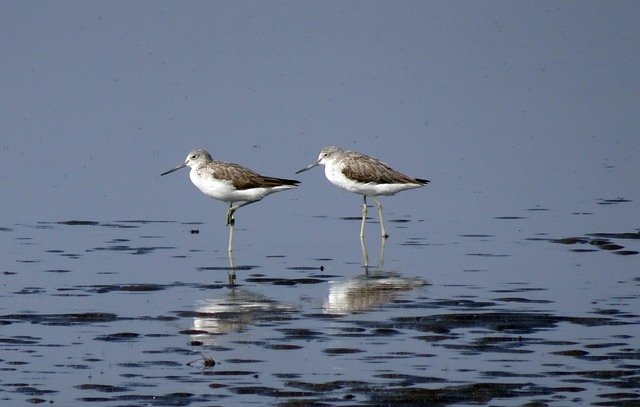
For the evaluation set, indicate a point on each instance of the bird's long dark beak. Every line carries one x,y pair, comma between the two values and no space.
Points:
308,167
174,169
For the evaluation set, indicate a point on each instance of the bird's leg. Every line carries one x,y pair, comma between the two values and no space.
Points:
232,209
230,238
230,221
384,232
364,216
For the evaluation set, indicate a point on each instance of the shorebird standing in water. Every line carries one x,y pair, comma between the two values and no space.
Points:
230,183
364,175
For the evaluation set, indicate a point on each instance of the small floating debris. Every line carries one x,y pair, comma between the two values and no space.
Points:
207,362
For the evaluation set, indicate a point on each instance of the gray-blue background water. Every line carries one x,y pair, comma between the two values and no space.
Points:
511,278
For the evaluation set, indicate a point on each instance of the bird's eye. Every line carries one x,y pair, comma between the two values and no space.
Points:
193,157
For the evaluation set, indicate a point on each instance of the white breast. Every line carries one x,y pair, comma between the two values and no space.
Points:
222,190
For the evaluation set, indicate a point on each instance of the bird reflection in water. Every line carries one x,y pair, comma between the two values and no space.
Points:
369,290
234,311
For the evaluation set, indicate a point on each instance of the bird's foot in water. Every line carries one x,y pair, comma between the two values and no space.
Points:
230,220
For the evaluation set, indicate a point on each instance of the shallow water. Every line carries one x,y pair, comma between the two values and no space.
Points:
139,313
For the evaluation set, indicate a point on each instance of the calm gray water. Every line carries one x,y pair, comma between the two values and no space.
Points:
511,279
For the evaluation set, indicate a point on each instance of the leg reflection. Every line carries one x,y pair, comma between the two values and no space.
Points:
364,251
381,255
232,269
366,257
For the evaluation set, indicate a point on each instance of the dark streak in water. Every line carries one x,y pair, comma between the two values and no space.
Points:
359,218
78,223
101,289
476,393
133,250
284,281
227,268
399,220
488,255
599,240
20,340
341,351
64,319
118,337
119,226
102,388
634,235
415,241
512,322
522,300
145,222
612,201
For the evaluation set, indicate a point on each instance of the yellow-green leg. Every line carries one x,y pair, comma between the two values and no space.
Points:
364,216
230,221
384,232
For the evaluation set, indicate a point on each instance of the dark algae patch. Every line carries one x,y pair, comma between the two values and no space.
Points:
591,242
